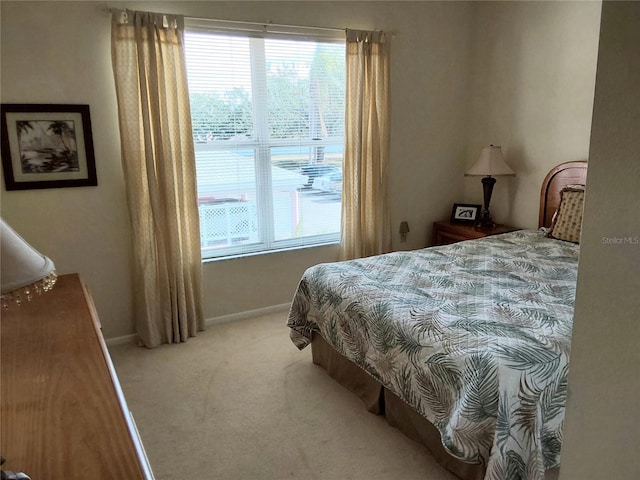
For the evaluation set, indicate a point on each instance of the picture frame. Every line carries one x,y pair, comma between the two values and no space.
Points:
465,213
47,146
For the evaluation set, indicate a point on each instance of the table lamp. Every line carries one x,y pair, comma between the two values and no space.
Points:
490,164
23,270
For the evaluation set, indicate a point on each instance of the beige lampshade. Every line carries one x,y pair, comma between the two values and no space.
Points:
23,271
490,163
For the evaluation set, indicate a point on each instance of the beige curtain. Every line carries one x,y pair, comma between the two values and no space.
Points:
159,168
366,228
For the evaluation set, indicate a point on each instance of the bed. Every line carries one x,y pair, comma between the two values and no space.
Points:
463,347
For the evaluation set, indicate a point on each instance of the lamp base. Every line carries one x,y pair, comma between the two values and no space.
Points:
485,220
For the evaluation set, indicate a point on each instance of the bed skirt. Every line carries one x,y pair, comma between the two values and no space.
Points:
380,401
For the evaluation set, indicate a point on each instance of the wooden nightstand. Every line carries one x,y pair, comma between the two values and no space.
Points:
445,232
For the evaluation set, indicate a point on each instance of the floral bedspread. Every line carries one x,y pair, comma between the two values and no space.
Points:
475,336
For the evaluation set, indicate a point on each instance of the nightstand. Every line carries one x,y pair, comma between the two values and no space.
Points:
445,232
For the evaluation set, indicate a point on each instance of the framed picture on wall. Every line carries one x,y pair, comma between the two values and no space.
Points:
47,146
465,213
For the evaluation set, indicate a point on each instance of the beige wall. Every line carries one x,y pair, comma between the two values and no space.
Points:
602,430
534,67
463,75
53,53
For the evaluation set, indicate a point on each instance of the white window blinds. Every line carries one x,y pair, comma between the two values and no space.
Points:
268,123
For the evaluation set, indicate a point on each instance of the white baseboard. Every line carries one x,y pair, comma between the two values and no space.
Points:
247,314
112,342
210,322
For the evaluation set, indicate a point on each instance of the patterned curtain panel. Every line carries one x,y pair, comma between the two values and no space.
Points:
366,228
159,168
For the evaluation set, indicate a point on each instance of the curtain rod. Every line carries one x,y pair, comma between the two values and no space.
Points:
261,24
266,24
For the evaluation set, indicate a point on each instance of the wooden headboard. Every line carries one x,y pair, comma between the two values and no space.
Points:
564,174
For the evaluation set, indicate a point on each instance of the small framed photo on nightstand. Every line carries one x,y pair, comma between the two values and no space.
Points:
465,213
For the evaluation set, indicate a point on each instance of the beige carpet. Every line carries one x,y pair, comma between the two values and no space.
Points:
240,401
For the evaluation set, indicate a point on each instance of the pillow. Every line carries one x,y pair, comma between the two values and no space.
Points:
567,221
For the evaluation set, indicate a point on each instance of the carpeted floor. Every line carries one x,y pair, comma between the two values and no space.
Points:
239,401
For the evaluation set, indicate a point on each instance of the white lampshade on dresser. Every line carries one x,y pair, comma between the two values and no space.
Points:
23,270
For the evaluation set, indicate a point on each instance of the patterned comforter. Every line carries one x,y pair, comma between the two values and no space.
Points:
475,336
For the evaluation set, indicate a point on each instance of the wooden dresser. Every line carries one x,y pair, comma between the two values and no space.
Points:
63,413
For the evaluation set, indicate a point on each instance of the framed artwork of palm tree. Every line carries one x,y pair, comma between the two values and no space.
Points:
47,146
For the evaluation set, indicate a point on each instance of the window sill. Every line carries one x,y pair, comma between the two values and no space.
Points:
267,252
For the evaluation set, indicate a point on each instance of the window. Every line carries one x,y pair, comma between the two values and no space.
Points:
268,126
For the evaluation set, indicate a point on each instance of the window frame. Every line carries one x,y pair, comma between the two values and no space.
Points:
262,144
